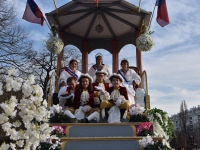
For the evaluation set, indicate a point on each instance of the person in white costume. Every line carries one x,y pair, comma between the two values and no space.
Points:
70,71
131,78
98,67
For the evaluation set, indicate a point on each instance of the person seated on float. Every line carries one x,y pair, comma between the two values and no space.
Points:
100,90
66,98
84,101
98,67
131,79
118,96
70,71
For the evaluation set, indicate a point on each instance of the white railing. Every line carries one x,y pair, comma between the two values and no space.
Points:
144,85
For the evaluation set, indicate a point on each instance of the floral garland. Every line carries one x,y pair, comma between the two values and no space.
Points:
54,44
145,42
162,125
23,113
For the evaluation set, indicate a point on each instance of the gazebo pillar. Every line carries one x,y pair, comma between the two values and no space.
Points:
115,55
84,56
60,60
139,55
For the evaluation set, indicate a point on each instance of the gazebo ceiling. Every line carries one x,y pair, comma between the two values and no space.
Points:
119,19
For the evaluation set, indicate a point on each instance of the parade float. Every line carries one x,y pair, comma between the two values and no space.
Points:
88,25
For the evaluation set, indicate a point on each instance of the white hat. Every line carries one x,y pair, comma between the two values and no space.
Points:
101,72
85,76
98,54
115,75
124,59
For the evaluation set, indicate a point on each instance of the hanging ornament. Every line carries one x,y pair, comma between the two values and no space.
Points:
145,42
54,44
99,27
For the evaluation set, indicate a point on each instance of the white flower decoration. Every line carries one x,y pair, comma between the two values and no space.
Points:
55,44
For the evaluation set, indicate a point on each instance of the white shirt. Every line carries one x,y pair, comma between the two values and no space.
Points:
92,72
65,75
131,76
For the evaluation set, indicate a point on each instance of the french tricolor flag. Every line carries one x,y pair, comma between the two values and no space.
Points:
162,13
33,13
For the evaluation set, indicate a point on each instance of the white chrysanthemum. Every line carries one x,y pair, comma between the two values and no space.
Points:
27,89
3,118
20,143
136,109
9,82
37,90
144,42
6,108
18,79
54,44
6,126
45,103
31,79
55,109
4,146
17,123
13,134
12,71
12,146
16,85
30,107
146,141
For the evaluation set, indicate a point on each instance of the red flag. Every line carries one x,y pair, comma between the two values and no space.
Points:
162,13
33,13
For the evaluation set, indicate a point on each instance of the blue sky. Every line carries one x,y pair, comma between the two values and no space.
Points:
173,64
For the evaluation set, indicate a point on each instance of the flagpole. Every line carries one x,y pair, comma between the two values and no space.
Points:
152,16
48,25
139,5
55,6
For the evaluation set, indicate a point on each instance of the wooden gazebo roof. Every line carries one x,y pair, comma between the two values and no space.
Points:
119,18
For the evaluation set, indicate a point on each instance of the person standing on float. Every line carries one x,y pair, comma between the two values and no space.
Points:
70,71
131,79
98,67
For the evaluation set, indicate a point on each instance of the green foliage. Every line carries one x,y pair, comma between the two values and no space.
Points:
145,132
46,146
59,118
164,121
138,118
157,146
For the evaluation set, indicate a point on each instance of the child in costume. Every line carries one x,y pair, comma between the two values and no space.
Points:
100,90
66,98
84,101
118,96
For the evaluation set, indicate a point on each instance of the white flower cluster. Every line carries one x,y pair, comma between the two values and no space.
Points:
54,44
32,127
144,42
55,109
145,141
136,109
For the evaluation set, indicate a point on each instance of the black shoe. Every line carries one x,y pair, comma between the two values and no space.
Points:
93,121
85,120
